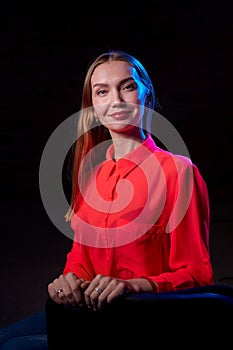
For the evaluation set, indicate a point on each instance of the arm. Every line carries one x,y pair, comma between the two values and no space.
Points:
68,288
189,257
79,262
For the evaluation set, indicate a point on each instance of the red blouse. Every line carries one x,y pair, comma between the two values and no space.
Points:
145,215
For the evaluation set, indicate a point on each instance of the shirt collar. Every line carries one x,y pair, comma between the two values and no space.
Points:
135,157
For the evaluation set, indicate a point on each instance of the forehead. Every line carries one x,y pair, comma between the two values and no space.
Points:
109,72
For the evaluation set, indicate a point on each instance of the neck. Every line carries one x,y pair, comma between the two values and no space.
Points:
125,144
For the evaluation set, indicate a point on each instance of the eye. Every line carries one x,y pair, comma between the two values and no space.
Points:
101,92
129,87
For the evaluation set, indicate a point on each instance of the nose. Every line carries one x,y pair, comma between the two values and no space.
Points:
116,96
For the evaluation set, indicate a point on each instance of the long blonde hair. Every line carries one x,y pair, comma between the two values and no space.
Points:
90,133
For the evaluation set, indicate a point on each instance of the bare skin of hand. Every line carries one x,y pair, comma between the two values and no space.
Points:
66,289
95,294
103,290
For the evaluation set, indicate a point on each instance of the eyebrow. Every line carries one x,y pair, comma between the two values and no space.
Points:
120,83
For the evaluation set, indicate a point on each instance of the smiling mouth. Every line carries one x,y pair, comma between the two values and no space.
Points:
120,115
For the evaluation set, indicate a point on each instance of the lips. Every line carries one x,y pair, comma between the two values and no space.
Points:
120,115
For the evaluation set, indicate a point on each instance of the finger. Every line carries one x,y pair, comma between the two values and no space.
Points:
112,292
77,292
102,297
84,285
91,295
53,293
99,296
64,293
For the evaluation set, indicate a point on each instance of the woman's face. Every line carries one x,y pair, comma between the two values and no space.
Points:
118,96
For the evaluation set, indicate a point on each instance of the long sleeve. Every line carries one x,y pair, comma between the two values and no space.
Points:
78,263
189,256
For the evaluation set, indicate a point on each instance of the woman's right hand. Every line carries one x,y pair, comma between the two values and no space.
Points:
67,289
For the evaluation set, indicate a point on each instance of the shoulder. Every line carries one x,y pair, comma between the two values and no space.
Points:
166,157
177,164
172,163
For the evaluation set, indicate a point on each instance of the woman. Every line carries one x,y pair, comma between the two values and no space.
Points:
140,214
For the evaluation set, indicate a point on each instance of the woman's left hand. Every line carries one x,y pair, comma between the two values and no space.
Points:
103,290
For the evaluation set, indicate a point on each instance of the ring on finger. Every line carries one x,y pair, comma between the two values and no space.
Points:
98,290
59,291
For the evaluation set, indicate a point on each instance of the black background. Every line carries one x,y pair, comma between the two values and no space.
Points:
45,48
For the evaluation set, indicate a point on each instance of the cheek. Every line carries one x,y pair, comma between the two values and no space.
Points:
137,99
100,109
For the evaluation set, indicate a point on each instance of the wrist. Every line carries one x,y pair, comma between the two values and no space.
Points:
153,284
